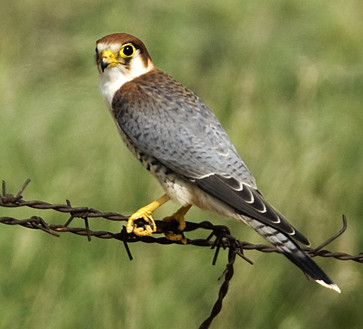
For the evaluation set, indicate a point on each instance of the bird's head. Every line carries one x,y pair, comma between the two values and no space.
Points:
120,58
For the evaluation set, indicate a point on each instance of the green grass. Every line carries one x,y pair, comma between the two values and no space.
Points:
286,80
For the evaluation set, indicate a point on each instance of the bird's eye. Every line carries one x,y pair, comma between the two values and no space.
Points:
127,50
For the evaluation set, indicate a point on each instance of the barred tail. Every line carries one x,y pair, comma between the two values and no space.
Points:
293,252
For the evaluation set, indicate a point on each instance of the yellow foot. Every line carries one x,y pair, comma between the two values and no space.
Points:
179,218
146,229
145,214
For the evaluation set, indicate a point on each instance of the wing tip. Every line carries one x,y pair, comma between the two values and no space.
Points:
332,286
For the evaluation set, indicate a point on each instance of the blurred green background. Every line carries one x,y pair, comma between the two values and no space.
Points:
286,80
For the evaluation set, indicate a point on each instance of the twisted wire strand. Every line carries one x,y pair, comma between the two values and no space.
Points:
219,236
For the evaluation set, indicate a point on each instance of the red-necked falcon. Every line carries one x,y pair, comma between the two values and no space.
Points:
181,142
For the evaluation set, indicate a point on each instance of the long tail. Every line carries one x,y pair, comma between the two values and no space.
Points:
293,252
252,209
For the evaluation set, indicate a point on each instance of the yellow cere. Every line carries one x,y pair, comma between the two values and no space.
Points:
108,54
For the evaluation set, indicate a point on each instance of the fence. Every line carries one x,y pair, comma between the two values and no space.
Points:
219,236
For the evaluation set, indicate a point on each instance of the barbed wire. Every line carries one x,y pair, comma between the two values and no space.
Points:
219,235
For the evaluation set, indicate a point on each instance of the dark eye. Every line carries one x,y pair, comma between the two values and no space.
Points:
127,50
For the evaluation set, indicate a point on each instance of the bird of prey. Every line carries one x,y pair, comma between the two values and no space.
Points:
181,142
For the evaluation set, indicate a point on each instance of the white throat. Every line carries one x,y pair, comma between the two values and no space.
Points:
113,78
110,81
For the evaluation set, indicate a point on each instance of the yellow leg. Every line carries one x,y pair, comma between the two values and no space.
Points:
145,214
179,217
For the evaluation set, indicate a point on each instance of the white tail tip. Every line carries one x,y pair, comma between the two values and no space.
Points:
330,286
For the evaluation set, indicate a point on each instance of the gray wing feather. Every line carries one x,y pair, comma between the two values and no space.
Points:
171,124
178,130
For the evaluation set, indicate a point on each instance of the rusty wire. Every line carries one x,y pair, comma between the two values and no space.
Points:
219,235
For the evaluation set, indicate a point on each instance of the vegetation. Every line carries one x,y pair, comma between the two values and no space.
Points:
285,78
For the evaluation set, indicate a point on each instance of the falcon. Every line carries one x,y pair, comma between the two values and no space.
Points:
182,143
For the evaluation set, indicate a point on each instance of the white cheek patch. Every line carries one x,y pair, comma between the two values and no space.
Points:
138,67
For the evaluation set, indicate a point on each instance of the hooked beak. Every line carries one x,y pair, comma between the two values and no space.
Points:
108,58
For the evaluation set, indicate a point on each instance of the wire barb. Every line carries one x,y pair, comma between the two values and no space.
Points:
219,236
331,239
